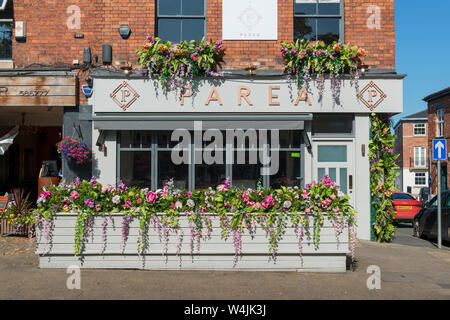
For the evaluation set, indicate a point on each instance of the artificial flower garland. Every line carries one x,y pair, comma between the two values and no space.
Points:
304,59
382,177
273,210
176,64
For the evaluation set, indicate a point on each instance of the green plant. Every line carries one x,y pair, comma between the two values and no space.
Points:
176,65
382,176
19,212
304,59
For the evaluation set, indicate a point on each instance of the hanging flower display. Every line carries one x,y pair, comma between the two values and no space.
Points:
272,210
304,59
74,149
382,176
176,64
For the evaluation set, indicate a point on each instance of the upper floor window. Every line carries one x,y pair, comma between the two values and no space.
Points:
318,20
419,129
6,40
179,20
420,157
440,122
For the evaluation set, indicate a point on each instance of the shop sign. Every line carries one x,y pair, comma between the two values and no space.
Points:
37,91
124,95
371,95
250,20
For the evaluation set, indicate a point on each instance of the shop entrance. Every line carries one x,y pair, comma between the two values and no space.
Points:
335,158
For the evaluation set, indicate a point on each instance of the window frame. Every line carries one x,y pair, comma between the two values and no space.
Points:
419,128
439,122
341,18
417,158
155,149
12,38
420,177
180,17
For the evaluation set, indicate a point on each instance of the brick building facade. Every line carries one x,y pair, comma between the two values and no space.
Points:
439,124
412,146
39,70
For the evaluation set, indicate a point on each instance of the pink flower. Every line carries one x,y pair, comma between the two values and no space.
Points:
151,197
333,196
257,205
305,194
178,205
139,201
74,195
307,210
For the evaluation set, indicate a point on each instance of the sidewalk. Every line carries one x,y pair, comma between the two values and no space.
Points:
407,273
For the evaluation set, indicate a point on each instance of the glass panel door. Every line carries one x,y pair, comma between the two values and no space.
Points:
334,158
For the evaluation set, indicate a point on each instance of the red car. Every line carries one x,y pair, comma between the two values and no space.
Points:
406,206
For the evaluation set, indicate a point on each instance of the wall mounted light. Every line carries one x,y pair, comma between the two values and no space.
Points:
21,30
124,31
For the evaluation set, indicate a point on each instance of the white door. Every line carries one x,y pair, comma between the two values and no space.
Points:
335,158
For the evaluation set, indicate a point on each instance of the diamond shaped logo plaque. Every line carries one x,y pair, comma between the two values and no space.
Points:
371,95
124,95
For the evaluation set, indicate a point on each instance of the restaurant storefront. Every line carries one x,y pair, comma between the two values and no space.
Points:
258,131
32,107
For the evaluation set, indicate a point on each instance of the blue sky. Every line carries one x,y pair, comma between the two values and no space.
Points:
422,50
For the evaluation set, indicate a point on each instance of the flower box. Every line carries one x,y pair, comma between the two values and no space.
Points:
104,247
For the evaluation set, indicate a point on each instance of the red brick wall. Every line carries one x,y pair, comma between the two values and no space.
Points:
432,134
50,42
379,43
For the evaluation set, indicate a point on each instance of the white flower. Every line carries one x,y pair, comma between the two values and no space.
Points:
116,199
190,203
341,194
287,204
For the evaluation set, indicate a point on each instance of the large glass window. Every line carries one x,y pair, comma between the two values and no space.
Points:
6,40
317,20
179,20
332,124
146,159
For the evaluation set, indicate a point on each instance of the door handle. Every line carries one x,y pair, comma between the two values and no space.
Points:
350,182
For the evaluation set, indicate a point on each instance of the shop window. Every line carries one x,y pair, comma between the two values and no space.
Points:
332,125
179,20
419,156
317,20
168,170
135,168
419,129
420,179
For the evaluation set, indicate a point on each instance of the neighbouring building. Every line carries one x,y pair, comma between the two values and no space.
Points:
439,127
411,145
52,48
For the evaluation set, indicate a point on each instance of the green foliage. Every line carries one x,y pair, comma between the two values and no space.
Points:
175,65
382,176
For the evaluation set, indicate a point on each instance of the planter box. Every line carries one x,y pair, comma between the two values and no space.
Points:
215,253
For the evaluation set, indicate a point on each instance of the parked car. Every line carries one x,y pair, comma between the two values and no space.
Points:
425,221
405,206
423,194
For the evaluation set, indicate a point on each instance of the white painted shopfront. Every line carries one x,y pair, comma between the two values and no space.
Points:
133,120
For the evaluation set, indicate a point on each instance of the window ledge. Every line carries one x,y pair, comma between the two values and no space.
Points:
6,64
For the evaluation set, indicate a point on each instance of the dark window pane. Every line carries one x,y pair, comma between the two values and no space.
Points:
305,8
193,29
329,8
332,124
165,140
135,168
169,7
328,30
168,170
130,139
193,7
247,174
5,40
289,170
210,175
146,139
304,28
169,29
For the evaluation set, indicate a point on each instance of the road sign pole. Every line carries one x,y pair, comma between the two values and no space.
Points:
439,233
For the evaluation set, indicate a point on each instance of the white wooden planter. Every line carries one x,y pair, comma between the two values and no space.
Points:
215,253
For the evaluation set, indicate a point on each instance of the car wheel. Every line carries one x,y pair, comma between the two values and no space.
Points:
416,229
